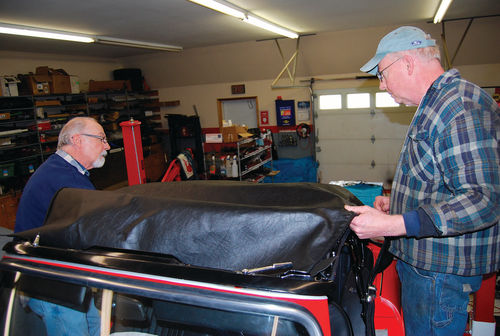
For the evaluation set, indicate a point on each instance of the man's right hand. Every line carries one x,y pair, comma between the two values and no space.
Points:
382,203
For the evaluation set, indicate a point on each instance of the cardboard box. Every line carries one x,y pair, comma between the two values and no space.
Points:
9,86
234,133
39,84
75,84
60,84
34,84
59,81
213,138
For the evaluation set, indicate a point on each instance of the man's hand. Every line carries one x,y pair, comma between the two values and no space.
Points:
382,203
371,223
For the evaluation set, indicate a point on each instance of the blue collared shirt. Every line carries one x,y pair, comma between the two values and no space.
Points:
449,170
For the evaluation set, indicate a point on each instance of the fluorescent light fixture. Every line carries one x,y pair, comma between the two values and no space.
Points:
221,7
271,27
229,9
136,44
443,7
68,36
43,33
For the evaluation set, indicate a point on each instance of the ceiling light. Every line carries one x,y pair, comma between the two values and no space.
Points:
271,27
136,44
43,33
229,9
443,7
68,36
220,7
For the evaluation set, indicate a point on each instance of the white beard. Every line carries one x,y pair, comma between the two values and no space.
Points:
100,160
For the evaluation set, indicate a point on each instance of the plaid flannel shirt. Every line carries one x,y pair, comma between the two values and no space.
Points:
449,167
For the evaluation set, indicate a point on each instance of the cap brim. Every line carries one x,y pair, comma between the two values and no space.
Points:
371,66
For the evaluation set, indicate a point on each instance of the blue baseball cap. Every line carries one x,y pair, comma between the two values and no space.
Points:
403,38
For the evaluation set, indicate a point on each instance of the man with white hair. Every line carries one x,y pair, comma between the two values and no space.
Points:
442,216
82,146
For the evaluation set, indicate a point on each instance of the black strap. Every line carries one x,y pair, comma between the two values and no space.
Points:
323,264
384,259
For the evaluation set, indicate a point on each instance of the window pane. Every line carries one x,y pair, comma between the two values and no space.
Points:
384,99
41,304
358,100
330,102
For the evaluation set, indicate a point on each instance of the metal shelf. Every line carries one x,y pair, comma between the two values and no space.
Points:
254,167
261,149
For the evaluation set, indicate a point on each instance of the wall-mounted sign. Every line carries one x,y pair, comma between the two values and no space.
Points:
264,117
285,112
238,89
303,108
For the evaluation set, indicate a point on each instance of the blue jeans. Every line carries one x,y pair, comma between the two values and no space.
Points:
63,321
434,304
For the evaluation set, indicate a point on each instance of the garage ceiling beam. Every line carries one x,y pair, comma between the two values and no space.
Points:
448,62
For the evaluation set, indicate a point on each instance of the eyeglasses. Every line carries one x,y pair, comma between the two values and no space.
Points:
380,74
100,137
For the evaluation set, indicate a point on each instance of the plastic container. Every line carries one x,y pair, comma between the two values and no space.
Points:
7,170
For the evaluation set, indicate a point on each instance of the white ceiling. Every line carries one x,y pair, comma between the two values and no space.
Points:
183,23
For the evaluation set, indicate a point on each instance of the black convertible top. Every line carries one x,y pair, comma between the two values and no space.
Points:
218,224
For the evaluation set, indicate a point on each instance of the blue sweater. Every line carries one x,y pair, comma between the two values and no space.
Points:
54,174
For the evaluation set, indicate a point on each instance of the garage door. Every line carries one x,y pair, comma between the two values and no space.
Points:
360,133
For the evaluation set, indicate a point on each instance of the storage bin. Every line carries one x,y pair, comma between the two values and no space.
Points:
6,170
27,166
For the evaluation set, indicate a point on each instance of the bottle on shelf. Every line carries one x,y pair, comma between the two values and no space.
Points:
229,170
223,171
212,166
234,167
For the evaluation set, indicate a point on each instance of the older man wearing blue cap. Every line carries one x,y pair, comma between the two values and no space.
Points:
442,216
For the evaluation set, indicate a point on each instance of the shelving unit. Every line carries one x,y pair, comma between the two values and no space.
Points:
251,158
30,125
20,149
262,154
112,107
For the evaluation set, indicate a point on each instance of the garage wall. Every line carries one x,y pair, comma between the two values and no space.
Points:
13,63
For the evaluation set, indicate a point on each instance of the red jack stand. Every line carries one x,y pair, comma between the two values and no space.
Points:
484,306
133,151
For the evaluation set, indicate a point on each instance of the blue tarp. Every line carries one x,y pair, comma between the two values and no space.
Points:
366,193
294,170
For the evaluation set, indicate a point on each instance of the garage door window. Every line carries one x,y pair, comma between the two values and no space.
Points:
358,100
330,102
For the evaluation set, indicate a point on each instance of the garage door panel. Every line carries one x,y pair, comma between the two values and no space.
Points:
357,151
356,172
362,125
